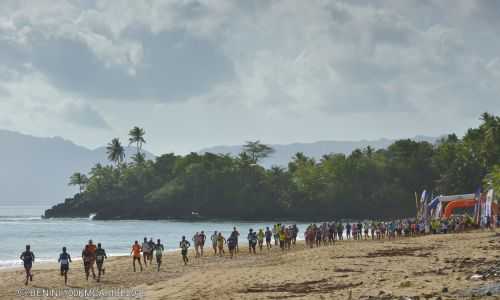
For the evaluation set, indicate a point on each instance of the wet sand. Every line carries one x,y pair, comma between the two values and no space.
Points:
428,267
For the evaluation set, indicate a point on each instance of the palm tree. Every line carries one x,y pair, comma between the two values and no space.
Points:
115,151
277,170
139,158
78,179
136,135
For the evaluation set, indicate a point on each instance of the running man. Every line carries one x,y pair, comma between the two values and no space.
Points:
91,249
146,251
318,237
295,233
221,241
28,259
152,247
237,236
100,256
159,253
214,242
276,235
203,239
269,236
64,259
348,231
231,245
260,238
88,257
282,238
252,241
196,244
184,245
136,253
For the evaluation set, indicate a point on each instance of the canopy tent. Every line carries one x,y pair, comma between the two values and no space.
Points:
485,206
439,203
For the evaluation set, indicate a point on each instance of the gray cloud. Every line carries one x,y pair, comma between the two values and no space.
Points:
174,66
315,62
83,114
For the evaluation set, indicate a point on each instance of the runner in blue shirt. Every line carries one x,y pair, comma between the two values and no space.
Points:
28,259
64,259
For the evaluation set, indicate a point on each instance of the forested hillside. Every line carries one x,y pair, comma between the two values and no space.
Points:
364,184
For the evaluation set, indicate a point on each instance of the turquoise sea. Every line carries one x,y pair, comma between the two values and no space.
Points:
21,225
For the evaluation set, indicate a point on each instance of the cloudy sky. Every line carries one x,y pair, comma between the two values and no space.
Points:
200,73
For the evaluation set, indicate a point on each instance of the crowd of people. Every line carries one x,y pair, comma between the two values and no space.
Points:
285,237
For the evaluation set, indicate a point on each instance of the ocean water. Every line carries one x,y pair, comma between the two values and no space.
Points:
22,225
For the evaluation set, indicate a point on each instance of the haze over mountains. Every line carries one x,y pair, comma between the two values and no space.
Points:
35,170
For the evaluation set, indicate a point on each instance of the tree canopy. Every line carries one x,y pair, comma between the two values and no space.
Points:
115,151
367,183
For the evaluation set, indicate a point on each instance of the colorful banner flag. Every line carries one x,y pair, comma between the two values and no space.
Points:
477,207
488,204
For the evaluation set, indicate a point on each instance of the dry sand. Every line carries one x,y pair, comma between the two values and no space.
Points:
429,267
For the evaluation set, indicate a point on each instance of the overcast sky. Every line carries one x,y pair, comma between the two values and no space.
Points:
202,73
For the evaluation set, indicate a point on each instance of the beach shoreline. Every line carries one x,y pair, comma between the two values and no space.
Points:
432,265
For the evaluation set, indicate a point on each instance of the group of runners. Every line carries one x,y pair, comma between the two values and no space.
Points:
148,250
329,232
91,255
285,237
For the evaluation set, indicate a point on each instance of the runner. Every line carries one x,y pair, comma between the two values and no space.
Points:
184,245
276,235
237,236
318,237
252,241
269,236
196,244
282,238
331,230
28,258
324,233
64,259
152,247
203,239
231,245
340,231
373,229
310,236
136,254
88,256
260,238
221,241
146,251
295,233
100,255
214,242
288,238
87,260
159,253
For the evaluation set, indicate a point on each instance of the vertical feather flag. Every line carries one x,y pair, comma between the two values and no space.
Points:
477,207
423,207
416,205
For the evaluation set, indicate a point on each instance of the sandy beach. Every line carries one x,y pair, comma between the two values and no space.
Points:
428,267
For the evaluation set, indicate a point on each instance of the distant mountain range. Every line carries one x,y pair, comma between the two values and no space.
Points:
283,153
36,170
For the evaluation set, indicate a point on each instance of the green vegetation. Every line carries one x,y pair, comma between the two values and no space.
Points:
364,184
79,179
